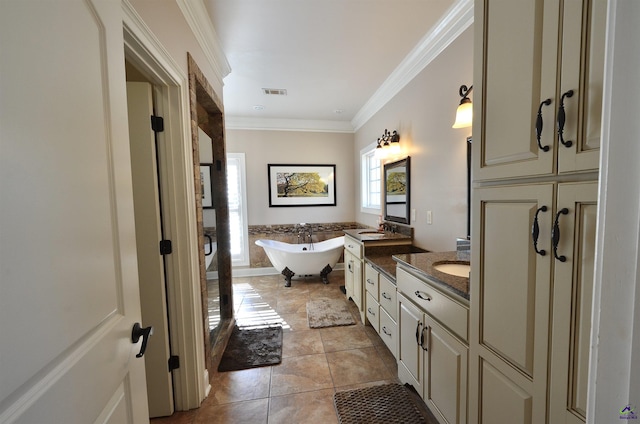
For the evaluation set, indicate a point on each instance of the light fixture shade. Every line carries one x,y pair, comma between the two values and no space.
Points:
464,115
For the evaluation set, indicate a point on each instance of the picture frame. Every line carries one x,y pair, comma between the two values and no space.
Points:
301,185
205,183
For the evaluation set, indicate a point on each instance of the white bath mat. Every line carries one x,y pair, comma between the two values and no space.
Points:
328,313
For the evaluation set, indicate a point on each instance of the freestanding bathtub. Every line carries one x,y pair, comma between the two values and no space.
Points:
303,259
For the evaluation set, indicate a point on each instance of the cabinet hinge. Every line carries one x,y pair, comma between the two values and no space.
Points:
174,362
165,247
157,123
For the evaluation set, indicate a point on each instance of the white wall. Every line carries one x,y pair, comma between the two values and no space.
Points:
295,147
423,113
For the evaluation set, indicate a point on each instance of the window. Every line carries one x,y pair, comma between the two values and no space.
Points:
370,187
237,192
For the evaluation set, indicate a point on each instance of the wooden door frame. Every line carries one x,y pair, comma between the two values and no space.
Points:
142,48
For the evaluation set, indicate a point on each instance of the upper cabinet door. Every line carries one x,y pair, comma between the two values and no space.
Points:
517,45
538,87
583,45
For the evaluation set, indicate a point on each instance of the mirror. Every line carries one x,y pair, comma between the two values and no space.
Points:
397,190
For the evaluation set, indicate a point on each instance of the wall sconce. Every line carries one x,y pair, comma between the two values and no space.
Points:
389,143
464,114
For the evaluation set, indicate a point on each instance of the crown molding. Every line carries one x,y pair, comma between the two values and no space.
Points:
458,18
197,17
276,124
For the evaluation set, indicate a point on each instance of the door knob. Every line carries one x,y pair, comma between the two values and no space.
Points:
137,332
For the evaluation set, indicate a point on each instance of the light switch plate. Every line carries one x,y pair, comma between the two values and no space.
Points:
429,218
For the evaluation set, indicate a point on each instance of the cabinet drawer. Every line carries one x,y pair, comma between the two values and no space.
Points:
353,246
371,281
388,297
389,332
450,313
373,311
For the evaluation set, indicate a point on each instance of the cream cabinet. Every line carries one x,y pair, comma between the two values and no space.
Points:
381,305
537,87
537,124
531,309
432,357
353,262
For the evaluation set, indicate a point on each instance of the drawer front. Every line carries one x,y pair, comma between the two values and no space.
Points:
353,246
389,332
373,312
450,313
371,281
388,297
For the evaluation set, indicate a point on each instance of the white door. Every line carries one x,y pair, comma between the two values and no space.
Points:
153,295
68,271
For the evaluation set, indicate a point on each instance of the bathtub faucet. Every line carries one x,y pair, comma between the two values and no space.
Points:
305,232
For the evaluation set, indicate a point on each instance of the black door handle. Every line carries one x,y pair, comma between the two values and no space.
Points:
535,232
555,235
539,125
208,237
418,332
138,332
562,118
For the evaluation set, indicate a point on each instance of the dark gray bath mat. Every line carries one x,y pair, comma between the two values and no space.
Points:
385,404
328,313
252,348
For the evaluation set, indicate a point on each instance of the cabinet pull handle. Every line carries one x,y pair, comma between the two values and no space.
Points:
384,294
369,282
425,346
371,312
419,295
555,235
418,332
535,232
384,330
562,119
539,125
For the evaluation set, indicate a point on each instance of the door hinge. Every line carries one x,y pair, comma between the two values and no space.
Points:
157,123
174,362
165,247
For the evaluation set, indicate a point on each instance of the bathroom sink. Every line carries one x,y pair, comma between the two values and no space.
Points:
457,269
372,233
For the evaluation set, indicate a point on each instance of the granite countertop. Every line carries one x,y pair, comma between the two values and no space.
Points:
366,235
422,263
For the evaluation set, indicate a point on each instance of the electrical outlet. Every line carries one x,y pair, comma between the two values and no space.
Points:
413,215
429,217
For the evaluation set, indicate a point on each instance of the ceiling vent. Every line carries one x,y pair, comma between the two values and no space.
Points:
274,91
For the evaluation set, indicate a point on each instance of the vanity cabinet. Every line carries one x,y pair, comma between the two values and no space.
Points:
540,78
432,356
353,260
381,304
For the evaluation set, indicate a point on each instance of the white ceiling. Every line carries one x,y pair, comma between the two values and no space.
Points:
330,55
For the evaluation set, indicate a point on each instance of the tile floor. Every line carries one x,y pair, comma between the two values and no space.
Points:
315,362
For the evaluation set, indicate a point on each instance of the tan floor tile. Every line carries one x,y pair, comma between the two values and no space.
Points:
295,322
249,412
180,417
298,343
344,338
300,374
356,366
292,304
236,386
302,408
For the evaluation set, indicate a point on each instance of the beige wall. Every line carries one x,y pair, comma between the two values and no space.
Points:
294,147
423,113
